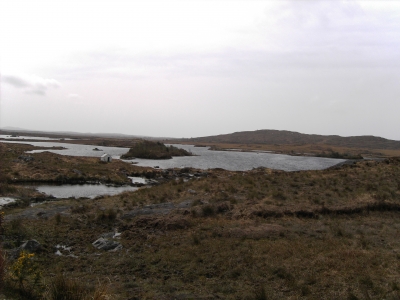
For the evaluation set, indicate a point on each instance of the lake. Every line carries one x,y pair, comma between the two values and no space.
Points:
239,161
25,137
204,159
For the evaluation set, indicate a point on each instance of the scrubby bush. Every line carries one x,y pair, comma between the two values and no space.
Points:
16,231
208,210
108,215
23,277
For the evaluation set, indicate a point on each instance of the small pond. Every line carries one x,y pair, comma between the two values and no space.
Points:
6,200
82,190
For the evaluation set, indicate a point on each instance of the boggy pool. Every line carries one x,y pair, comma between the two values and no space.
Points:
82,190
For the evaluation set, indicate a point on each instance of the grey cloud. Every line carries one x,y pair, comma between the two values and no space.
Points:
31,84
303,25
73,96
234,63
15,81
307,34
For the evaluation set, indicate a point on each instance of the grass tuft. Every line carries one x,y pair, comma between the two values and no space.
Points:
64,288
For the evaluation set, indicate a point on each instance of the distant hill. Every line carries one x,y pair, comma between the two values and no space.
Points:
71,134
283,137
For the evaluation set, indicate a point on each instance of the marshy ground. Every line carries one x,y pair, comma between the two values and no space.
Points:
260,234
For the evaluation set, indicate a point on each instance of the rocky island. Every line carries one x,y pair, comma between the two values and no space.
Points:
154,150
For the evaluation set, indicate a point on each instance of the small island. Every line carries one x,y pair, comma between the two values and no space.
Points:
154,150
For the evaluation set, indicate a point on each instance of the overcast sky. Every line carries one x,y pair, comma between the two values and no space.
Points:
198,68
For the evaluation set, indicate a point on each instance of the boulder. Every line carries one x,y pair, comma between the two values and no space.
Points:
31,246
25,158
28,246
106,245
77,171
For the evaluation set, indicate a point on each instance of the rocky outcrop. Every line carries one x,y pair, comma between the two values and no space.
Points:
31,246
107,244
25,158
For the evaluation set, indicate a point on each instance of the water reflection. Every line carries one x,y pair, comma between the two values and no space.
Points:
25,137
6,200
203,159
239,161
83,190
74,149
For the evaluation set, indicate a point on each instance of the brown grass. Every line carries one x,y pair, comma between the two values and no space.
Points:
261,234
65,288
50,167
302,149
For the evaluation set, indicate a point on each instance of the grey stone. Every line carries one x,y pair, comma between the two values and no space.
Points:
106,245
25,158
185,204
108,235
31,246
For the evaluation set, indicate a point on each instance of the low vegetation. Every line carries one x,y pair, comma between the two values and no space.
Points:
17,166
260,234
334,154
154,150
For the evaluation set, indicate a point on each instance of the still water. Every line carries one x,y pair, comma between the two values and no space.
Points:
82,190
6,200
24,137
74,149
239,161
203,159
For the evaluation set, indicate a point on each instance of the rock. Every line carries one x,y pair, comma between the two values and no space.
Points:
111,235
77,171
152,182
106,245
193,192
108,235
185,204
31,246
25,158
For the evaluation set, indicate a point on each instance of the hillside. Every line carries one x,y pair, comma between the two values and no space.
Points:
271,137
